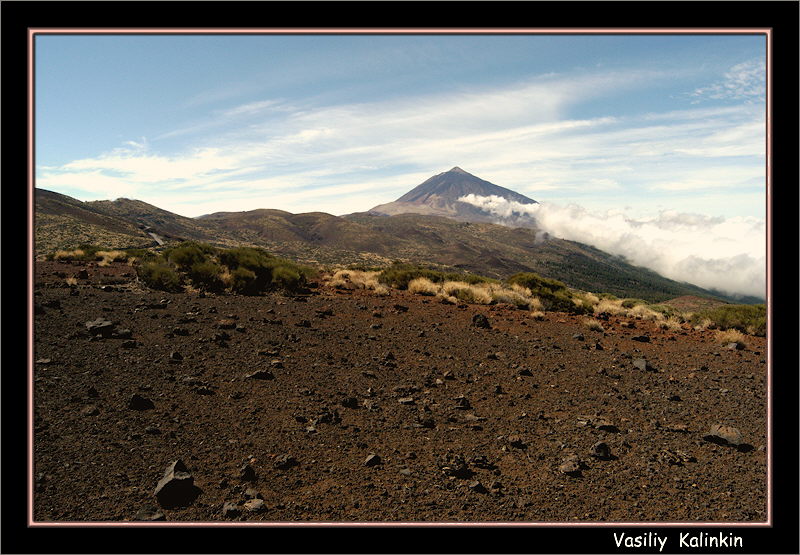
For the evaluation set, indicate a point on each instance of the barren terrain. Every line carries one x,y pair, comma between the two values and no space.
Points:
346,406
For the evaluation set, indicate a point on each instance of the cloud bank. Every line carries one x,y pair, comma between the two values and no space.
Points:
725,254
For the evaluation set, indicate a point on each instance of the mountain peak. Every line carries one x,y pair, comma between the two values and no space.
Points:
440,194
456,169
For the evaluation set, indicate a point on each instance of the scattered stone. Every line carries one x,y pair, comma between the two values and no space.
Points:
129,344
477,487
517,442
350,403
735,346
406,400
247,473
260,375
578,336
252,493
90,410
100,326
175,357
601,451
372,460
226,324
303,324
643,365
285,462
481,321
230,510
605,425
641,338
455,465
462,403
137,402
726,435
255,506
149,514
176,488
570,466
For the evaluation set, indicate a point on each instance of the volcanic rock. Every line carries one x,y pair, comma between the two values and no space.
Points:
176,488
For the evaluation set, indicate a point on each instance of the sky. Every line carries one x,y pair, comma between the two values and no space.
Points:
606,128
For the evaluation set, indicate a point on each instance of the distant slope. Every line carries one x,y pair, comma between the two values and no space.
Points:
62,222
316,237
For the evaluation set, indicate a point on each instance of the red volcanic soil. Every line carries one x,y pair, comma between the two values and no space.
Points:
351,407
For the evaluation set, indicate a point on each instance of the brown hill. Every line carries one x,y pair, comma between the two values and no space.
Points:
318,238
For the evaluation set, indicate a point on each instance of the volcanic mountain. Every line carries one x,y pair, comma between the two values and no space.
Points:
439,196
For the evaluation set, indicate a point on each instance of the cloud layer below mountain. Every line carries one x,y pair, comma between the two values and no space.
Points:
726,254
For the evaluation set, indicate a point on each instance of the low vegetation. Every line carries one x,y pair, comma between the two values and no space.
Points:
242,270
252,270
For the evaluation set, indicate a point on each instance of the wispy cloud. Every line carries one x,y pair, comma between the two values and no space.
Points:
743,81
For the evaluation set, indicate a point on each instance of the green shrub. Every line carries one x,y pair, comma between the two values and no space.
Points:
399,275
158,275
555,295
243,281
207,275
287,277
746,318
187,254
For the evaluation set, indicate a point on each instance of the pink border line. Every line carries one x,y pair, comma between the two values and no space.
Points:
32,32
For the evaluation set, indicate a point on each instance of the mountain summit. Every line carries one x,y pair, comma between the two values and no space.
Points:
438,196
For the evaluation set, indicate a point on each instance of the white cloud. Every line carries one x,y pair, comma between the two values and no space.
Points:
727,254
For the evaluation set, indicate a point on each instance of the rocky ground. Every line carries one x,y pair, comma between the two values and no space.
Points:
347,406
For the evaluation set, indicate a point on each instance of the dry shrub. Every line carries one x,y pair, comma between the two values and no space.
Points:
423,286
68,255
521,289
731,336
463,291
610,306
535,304
445,298
641,312
537,315
359,279
672,323
593,325
107,257
71,281
591,298
515,296
704,324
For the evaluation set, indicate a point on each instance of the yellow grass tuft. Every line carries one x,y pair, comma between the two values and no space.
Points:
537,315
672,323
731,336
641,312
593,324
68,255
610,306
704,324
423,286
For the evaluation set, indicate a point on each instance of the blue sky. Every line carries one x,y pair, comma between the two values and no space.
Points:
340,123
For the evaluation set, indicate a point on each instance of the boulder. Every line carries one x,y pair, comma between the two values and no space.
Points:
176,488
